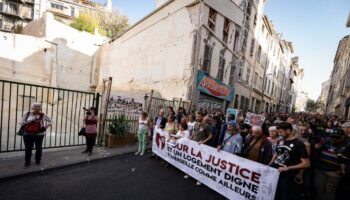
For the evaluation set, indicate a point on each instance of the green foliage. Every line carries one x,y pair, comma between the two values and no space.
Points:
86,23
113,24
119,125
311,106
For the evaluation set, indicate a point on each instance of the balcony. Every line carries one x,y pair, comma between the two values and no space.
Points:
11,13
6,28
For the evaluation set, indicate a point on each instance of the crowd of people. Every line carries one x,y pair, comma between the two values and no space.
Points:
310,151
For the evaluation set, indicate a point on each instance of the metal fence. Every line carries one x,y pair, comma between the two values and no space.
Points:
132,120
63,106
157,103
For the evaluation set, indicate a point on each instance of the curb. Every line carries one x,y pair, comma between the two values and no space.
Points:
39,170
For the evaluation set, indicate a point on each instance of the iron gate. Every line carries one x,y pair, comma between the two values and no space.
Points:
63,106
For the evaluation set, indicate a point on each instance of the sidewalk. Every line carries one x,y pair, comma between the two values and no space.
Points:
12,164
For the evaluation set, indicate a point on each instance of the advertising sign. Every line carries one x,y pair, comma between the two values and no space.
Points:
214,87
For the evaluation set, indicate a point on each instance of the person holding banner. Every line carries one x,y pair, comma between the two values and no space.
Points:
290,157
201,133
233,140
160,122
230,117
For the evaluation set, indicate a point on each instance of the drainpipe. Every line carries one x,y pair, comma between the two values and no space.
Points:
195,58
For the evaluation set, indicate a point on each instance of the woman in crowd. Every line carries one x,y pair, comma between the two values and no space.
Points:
170,126
90,122
273,138
142,133
35,124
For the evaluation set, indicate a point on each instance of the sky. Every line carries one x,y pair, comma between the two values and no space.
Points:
314,26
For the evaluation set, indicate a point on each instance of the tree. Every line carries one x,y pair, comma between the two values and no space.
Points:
311,106
113,23
85,22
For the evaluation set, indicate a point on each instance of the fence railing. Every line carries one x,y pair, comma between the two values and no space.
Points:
157,103
63,106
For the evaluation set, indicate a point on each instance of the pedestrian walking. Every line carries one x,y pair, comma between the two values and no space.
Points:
90,122
35,124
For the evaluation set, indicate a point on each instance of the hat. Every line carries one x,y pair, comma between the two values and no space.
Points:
346,124
231,123
272,128
246,126
337,132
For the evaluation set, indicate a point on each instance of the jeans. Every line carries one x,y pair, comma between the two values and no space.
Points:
29,141
90,142
286,187
142,140
326,184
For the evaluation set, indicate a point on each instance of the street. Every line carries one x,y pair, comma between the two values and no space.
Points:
122,177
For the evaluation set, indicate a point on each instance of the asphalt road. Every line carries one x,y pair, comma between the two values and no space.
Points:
123,177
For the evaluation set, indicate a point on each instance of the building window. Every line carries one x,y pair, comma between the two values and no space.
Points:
235,105
212,19
241,68
72,12
0,6
244,43
241,106
248,75
232,74
226,30
235,41
255,19
57,6
221,67
258,54
246,104
208,50
255,78
252,46
12,8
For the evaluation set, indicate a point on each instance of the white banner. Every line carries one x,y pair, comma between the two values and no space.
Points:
232,176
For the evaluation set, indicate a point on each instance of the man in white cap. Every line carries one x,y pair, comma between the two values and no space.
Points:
346,128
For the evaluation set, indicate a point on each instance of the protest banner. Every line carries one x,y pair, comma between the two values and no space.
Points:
230,175
254,119
231,111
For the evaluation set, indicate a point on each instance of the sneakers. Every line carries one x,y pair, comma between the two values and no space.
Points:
198,183
186,176
37,162
137,153
141,154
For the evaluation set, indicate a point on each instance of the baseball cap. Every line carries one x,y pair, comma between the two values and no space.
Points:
337,132
346,124
272,128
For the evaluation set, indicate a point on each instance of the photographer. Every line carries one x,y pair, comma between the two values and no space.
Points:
90,122
34,132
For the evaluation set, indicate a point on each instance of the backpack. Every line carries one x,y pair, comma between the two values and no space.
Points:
34,127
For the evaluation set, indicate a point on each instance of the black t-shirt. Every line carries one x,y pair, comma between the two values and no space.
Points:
289,153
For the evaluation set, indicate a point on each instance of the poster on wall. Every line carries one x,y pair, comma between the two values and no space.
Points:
230,175
207,103
254,119
120,104
233,112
